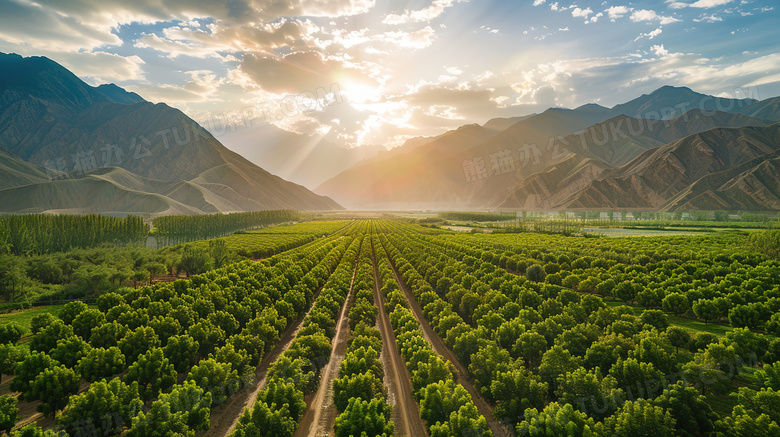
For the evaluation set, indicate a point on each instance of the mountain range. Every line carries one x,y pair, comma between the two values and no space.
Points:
590,157
66,146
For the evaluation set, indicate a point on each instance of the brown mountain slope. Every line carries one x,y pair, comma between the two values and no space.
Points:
546,189
51,118
659,174
433,174
752,186
768,109
620,139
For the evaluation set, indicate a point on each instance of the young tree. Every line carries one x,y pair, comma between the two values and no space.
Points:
8,413
216,378
70,350
194,260
536,273
706,310
556,421
365,418
138,342
678,337
28,370
219,252
516,391
101,363
183,411
365,386
181,350
465,421
53,387
689,408
744,316
71,310
105,407
655,318
40,321
153,373
86,321
675,303
10,333
108,334
556,362
530,346
640,419
47,339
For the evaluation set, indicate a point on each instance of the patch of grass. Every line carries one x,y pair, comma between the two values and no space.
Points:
24,317
696,326
691,325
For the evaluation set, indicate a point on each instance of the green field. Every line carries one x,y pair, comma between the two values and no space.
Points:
483,333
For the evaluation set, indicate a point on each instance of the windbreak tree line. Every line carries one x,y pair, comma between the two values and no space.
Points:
44,233
175,229
477,216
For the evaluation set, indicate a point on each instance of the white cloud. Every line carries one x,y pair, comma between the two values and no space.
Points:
554,6
659,50
617,12
416,40
650,35
708,19
650,15
539,2
703,4
578,12
423,15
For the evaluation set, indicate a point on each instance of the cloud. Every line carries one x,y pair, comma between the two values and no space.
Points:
416,40
578,12
29,24
423,15
659,50
300,72
178,40
650,35
708,19
617,12
703,4
539,2
650,15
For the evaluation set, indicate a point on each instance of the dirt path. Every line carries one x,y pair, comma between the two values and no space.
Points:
499,430
224,418
321,413
406,411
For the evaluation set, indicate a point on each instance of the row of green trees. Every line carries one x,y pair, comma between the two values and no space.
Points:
210,331
476,216
558,363
175,229
46,233
359,392
280,404
713,278
447,408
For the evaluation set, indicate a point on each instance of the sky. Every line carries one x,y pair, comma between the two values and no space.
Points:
378,72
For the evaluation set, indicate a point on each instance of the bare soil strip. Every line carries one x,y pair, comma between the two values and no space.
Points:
321,413
483,407
406,411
